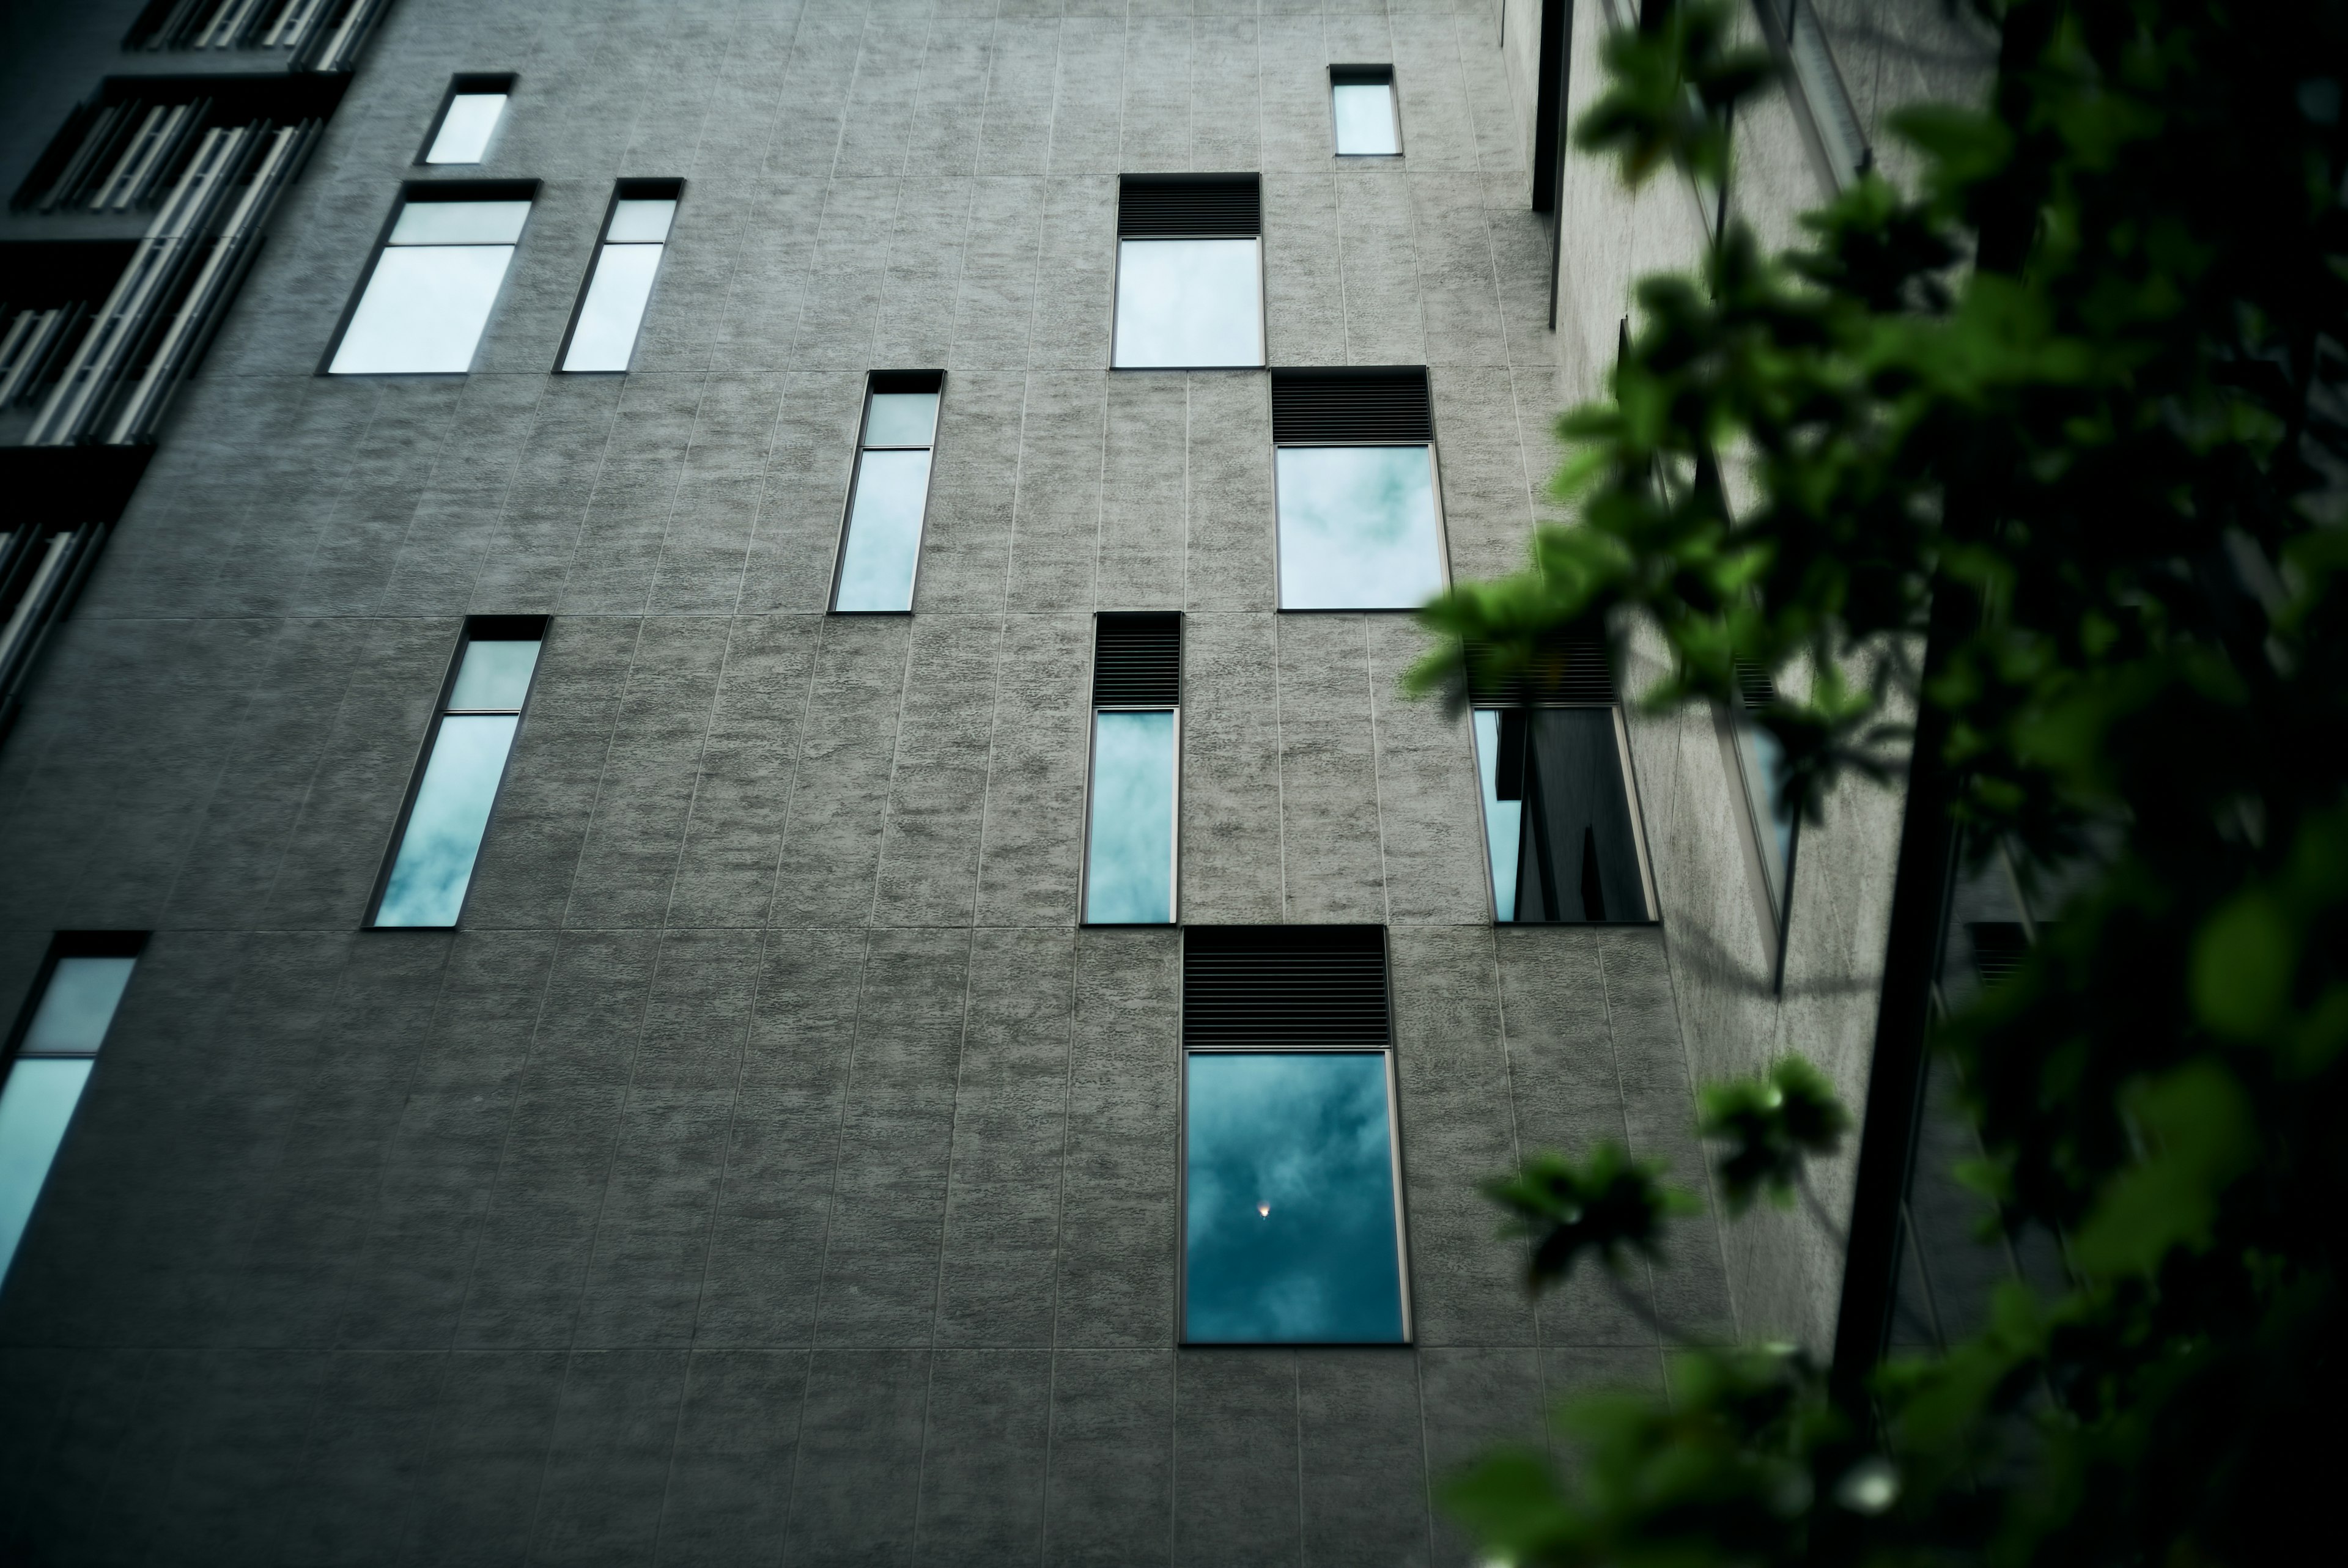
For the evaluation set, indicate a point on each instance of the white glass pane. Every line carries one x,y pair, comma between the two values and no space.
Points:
884,531
465,128
1504,820
1357,528
78,1004
901,419
1129,865
34,1107
1189,302
444,830
424,309
1366,118
640,223
605,337
495,674
460,223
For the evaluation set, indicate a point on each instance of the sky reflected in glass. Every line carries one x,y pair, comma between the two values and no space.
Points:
1289,1203
78,1004
460,223
1769,778
1188,303
34,1107
1504,820
444,830
1357,528
1366,118
640,220
901,419
465,129
496,674
605,335
424,309
884,531
1129,865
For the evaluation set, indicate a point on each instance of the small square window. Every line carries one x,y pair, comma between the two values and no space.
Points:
468,118
1189,274
1362,103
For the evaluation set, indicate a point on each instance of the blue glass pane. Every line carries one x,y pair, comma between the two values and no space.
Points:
1769,778
34,1110
1357,528
1129,865
884,531
1289,1201
444,831
77,1005
494,674
1504,820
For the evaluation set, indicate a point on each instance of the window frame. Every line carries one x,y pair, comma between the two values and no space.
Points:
1363,75
1117,271
1432,444
429,191
897,381
1772,879
463,83
670,190
1085,868
1655,915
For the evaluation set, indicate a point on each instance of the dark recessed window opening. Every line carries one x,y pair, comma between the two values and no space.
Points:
1132,801
1363,107
1190,272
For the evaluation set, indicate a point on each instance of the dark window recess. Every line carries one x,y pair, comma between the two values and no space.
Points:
1577,856
1284,986
1566,669
307,35
1998,948
129,144
1336,408
1755,689
1138,662
1190,207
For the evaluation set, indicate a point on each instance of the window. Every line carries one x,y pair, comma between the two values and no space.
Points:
1190,272
429,293
439,835
1355,469
1291,1220
883,543
49,1062
1559,817
619,280
1760,766
1837,137
468,118
1362,102
1130,823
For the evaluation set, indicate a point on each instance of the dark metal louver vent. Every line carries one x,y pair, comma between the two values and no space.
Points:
1567,671
1190,207
1138,662
1284,986
1999,947
1755,689
1327,408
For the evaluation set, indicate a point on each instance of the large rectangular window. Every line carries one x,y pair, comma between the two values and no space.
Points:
434,282
1190,272
1354,469
1132,804
620,279
881,544
48,1061
1292,1213
1362,104
468,118
439,835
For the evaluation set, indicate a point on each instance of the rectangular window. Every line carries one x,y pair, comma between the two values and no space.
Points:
48,1062
1291,1214
1360,526
1133,804
891,492
468,118
1760,764
439,835
429,293
1190,272
619,280
1362,103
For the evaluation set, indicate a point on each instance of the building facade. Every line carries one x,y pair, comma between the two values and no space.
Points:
780,1123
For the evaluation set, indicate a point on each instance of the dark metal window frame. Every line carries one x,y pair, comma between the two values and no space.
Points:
1117,268
622,191
423,190
882,380
462,83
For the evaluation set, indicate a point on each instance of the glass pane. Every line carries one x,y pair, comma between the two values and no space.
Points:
1289,1206
884,531
1357,528
444,830
465,128
495,674
424,309
1129,865
78,1004
1188,303
460,223
901,419
34,1107
605,337
641,222
1576,855
1503,819
1766,759
1365,118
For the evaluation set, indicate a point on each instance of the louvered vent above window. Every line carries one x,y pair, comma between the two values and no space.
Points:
1570,671
1190,207
1138,662
1284,986
1999,947
1351,407
1755,689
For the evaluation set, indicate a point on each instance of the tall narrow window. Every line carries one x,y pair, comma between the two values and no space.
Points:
468,118
1190,272
1362,102
439,835
1760,767
882,542
620,279
1292,1213
433,283
55,1047
1360,528
1129,822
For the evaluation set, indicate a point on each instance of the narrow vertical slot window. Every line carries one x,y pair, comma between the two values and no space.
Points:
439,835
1133,804
468,118
1362,103
1354,469
620,279
1190,272
56,1044
1757,761
434,282
881,544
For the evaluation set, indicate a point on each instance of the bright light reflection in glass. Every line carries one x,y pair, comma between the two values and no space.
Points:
495,674
884,531
35,1108
1365,118
464,134
445,828
78,1006
1357,528
1129,863
1191,303
605,335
